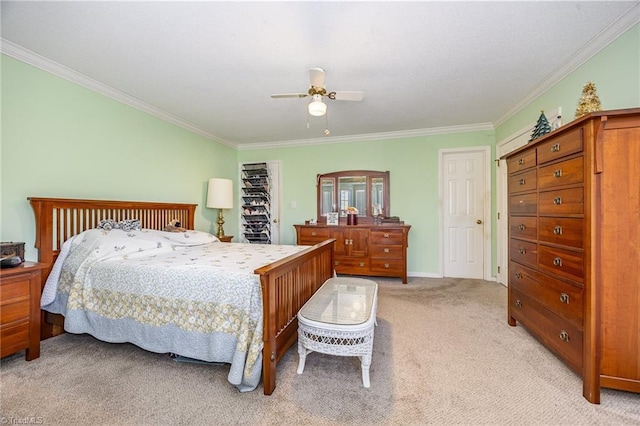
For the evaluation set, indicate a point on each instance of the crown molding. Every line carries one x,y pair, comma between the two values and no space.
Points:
370,136
595,45
20,53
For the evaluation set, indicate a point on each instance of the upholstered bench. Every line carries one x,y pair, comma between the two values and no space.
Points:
339,319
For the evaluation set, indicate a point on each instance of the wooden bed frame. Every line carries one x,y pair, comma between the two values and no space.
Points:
286,284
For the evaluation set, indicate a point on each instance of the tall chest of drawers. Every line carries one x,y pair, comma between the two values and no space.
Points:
574,246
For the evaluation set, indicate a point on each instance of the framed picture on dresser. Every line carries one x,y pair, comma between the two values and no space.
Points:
332,218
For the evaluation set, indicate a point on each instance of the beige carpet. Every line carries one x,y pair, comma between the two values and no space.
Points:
443,354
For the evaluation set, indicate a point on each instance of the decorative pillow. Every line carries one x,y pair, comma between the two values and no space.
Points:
125,225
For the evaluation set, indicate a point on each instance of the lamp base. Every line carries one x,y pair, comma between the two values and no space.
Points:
220,222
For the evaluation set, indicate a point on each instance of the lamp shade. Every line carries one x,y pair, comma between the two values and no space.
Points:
220,193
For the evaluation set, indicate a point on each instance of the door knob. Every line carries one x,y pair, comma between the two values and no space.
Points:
479,222
275,220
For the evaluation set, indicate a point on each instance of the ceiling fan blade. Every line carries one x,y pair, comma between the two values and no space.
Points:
290,95
346,96
316,76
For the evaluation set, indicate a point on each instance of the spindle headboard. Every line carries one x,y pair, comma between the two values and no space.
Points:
58,219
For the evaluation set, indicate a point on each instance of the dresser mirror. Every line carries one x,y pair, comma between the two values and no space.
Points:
366,190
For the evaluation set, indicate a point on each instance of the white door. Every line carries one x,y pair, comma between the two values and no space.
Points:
464,198
274,176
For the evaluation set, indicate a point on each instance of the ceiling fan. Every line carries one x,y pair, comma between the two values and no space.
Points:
317,91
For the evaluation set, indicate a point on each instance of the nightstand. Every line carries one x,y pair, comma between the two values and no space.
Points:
226,238
20,289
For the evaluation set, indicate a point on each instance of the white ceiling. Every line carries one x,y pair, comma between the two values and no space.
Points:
212,66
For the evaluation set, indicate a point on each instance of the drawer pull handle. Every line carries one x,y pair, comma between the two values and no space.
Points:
557,201
522,250
557,173
521,162
386,265
522,227
361,264
555,147
557,261
521,181
336,263
557,230
518,275
564,298
386,235
564,336
386,250
518,303
313,234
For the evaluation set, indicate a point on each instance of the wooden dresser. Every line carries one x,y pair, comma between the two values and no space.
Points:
371,250
20,289
574,246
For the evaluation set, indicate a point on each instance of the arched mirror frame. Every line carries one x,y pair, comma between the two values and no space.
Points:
370,178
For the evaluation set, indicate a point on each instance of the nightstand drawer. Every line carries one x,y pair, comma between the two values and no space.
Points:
14,288
16,311
14,338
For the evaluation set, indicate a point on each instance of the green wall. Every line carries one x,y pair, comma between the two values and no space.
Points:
413,166
62,140
615,71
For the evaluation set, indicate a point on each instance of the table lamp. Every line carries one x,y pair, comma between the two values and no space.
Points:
220,196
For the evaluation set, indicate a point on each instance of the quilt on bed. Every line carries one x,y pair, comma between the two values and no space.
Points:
183,293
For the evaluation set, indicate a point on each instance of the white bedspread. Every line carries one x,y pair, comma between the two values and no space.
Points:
183,293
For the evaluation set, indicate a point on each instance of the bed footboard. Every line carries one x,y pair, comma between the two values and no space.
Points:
286,286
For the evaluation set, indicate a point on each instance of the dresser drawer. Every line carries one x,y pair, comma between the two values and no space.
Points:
524,160
523,227
14,338
11,312
310,236
521,182
562,298
563,201
387,236
563,173
349,265
559,335
564,263
395,266
523,204
387,252
560,146
523,252
563,231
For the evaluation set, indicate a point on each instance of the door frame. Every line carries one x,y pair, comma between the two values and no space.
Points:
486,219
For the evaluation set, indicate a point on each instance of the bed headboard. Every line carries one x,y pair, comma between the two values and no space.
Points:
58,219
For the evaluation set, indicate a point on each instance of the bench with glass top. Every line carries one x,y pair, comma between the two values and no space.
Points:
339,319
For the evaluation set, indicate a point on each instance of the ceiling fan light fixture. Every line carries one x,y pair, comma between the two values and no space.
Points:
317,108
